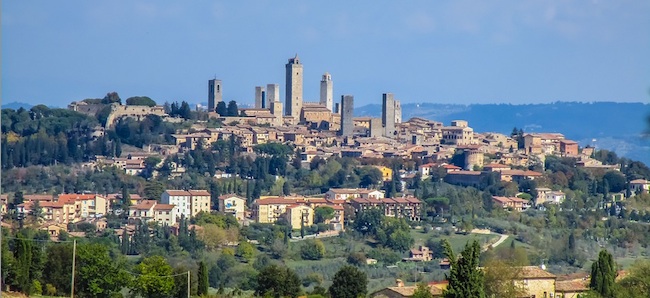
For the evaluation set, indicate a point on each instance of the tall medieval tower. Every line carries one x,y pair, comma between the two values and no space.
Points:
214,94
326,91
293,90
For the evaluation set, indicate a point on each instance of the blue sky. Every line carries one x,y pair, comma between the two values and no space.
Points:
54,52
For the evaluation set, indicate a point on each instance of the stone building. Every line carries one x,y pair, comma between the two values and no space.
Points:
347,111
293,95
398,111
327,91
260,95
214,94
272,94
388,114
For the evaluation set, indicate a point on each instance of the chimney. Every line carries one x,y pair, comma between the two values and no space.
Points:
399,283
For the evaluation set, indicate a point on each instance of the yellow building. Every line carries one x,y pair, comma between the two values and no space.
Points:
299,216
536,281
386,173
269,210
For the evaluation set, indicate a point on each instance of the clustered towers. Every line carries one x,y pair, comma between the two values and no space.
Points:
269,98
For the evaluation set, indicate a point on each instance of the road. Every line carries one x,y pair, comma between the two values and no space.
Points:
316,236
502,237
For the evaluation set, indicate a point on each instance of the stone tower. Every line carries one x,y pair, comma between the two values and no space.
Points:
398,112
272,94
259,97
214,94
388,115
293,98
276,110
473,158
326,91
347,110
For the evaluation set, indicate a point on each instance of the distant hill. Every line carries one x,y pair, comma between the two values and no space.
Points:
16,105
614,126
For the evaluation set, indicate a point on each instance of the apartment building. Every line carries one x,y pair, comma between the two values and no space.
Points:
152,211
234,205
347,194
516,204
188,202
407,207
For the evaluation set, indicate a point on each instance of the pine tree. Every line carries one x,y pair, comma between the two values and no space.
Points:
465,278
603,274
203,279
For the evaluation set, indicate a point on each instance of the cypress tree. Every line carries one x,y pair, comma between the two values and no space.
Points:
465,278
23,255
126,245
203,280
603,274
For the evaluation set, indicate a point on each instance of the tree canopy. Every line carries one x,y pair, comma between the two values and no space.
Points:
349,282
140,101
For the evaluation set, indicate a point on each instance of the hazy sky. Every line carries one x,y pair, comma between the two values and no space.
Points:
54,52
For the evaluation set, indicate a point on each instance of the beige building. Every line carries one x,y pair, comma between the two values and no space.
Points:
315,113
270,210
347,194
86,205
536,281
299,216
546,195
639,186
514,203
233,204
165,214
152,211
458,133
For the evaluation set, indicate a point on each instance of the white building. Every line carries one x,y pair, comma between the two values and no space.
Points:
188,202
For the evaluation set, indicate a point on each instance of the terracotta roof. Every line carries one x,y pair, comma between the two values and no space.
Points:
163,207
408,291
360,200
276,201
345,190
413,200
52,204
576,285
228,196
77,196
144,205
531,272
400,200
451,167
175,192
520,173
509,199
466,173
198,192
495,165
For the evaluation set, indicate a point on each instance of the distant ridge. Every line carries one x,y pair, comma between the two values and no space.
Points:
16,105
615,126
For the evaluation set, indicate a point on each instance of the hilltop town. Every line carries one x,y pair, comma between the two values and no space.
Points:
292,180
